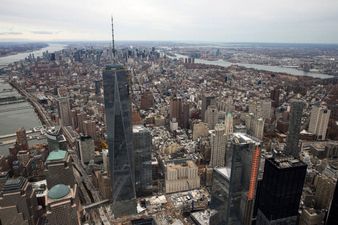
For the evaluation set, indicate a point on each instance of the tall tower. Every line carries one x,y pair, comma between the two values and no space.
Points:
292,147
229,123
218,145
64,111
119,136
319,121
282,187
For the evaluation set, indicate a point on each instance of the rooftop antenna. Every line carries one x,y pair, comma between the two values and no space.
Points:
113,42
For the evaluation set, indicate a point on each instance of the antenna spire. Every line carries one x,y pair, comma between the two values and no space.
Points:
113,41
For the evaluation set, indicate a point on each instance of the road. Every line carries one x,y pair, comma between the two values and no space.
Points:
43,115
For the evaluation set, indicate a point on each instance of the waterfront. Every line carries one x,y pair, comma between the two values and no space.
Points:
4,61
276,69
13,116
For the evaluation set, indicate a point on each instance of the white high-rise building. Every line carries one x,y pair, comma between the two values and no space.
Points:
319,121
218,146
228,124
211,116
258,128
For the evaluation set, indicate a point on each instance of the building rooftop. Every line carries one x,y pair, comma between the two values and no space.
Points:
224,171
58,191
14,184
243,138
56,155
284,162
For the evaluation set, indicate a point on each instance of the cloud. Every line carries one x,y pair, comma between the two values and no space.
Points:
11,33
43,32
196,20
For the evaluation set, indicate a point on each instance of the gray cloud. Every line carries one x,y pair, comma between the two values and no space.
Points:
11,33
196,20
43,32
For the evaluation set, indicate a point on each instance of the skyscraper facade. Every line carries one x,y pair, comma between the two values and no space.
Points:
142,151
218,144
319,121
64,111
207,99
234,186
332,217
211,116
119,134
281,190
292,147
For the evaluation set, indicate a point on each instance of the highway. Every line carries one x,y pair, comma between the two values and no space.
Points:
84,179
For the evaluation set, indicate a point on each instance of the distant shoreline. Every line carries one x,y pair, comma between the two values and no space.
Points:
34,48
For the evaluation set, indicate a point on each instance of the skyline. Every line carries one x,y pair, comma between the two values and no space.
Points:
226,22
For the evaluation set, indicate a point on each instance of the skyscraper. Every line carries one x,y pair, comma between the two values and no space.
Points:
218,144
207,99
64,111
21,138
142,148
319,121
292,147
234,186
332,217
18,204
281,190
229,126
119,135
211,116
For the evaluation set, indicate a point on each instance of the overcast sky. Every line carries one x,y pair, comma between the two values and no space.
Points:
296,21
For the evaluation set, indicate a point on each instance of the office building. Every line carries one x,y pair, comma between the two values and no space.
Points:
211,116
228,124
175,110
218,146
281,190
311,216
59,169
181,176
18,203
274,95
142,151
90,128
147,100
119,137
64,111
200,129
62,205
292,142
184,123
86,149
207,99
21,138
319,121
234,186
97,87
332,217
55,139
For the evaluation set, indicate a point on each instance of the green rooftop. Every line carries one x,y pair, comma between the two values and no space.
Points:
58,191
56,155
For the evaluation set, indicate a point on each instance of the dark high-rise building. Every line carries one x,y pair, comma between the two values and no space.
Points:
175,108
207,100
142,151
18,203
274,95
119,137
281,190
332,217
292,142
97,87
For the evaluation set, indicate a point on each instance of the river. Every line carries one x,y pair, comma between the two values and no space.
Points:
14,116
276,69
4,61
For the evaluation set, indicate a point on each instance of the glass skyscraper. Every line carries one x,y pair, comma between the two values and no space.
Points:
292,147
119,136
234,186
